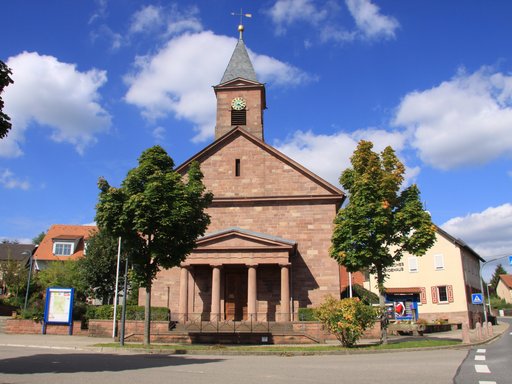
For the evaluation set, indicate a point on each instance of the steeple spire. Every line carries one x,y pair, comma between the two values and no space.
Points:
240,65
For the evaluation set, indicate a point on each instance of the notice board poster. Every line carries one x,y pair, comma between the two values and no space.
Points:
59,306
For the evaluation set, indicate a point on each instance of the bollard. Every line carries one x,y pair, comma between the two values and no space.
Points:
478,328
490,331
465,334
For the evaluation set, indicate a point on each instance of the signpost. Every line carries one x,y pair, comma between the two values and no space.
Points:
59,307
477,298
510,260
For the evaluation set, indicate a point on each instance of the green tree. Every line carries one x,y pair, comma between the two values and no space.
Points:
158,214
347,319
496,276
37,240
14,275
62,274
380,222
5,80
98,268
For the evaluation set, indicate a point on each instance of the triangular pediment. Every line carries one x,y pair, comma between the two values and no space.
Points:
237,239
265,172
237,83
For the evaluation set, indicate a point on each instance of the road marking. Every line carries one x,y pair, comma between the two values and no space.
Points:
482,368
480,357
480,350
486,382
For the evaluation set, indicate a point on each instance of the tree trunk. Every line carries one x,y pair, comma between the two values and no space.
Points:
382,304
147,314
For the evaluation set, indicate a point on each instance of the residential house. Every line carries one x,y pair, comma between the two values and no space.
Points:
436,286
504,288
62,242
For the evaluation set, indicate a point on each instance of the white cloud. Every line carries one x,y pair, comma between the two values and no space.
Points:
167,21
9,181
488,232
286,12
159,133
324,16
463,121
329,155
178,79
371,23
55,95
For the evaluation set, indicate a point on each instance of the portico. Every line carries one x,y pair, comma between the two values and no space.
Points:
235,274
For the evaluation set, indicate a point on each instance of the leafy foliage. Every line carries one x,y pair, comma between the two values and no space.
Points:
133,312
496,276
98,269
157,213
5,80
62,274
347,319
14,276
380,223
366,296
37,240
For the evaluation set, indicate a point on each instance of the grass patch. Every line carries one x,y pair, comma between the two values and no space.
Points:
283,348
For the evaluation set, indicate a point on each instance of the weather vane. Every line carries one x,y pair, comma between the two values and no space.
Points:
241,26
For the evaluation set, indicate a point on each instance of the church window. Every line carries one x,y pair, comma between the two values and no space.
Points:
238,117
237,167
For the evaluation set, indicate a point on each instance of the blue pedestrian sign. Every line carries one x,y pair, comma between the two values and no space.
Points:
477,298
510,260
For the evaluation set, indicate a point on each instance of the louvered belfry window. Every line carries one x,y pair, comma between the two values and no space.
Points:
238,117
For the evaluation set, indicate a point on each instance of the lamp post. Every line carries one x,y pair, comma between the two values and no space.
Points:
489,299
28,280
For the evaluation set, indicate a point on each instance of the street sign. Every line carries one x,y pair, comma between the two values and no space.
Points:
477,298
510,260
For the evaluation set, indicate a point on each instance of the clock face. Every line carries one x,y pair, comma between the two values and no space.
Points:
238,103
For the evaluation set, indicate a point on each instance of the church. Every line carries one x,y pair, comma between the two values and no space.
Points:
266,252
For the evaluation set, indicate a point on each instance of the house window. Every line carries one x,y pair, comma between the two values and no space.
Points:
237,167
439,262
62,249
413,264
442,294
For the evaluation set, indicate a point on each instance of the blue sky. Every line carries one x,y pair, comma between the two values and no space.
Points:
97,82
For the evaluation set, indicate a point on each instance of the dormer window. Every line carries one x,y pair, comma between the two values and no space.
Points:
61,248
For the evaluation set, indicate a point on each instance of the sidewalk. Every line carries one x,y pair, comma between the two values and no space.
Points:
88,343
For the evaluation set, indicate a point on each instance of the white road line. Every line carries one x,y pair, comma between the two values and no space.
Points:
481,350
482,368
480,357
486,382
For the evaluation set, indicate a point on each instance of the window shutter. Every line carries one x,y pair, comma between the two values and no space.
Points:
423,295
434,295
439,262
413,264
449,290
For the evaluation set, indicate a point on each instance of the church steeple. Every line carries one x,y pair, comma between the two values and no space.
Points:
240,65
240,97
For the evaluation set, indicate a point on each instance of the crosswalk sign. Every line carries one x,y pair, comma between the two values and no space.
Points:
510,260
477,298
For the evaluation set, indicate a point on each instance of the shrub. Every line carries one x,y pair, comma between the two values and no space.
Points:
346,319
307,314
133,312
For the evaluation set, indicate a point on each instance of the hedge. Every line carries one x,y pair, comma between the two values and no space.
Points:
133,312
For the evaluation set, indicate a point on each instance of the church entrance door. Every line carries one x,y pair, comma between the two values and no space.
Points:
236,294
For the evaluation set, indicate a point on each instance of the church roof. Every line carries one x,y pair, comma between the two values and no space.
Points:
240,65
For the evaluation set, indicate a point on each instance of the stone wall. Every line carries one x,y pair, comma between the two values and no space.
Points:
19,326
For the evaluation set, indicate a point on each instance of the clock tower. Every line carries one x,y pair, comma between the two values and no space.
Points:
240,97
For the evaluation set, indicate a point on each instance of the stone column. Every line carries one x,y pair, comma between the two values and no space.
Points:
251,292
285,292
215,308
183,304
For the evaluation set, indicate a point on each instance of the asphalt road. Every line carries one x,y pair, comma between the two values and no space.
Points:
33,365
489,363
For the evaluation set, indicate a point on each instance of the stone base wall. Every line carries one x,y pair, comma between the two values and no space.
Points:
468,318
18,326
